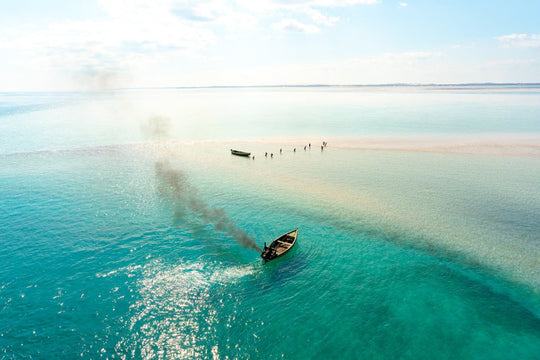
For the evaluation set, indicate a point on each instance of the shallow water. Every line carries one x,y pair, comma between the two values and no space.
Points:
38,121
400,254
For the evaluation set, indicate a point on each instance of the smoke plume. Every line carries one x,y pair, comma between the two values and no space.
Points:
100,79
174,184
157,127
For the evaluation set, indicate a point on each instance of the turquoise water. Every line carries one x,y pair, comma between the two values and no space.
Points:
401,254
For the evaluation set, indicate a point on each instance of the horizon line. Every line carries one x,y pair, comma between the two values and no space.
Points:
383,85
343,85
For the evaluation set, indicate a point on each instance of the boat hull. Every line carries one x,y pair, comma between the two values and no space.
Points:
240,153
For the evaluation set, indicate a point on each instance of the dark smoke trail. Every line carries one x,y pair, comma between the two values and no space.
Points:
175,185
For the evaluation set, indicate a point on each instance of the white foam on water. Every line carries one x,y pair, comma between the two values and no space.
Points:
177,309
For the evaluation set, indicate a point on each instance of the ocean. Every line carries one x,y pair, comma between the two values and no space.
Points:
129,231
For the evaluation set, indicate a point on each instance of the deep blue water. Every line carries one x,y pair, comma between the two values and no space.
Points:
400,254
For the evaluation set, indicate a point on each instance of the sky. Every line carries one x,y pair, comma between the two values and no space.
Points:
100,44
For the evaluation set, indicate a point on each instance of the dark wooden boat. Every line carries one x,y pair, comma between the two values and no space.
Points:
280,246
240,153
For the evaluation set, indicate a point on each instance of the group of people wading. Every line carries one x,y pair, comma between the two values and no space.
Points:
306,147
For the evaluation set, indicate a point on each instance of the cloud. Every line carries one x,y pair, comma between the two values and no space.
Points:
464,46
292,25
312,8
321,19
514,62
341,3
411,57
131,36
520,40
403,4
272,5
214,12
133,33
409,67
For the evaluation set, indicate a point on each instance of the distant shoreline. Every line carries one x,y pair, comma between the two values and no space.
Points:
485,85
388,86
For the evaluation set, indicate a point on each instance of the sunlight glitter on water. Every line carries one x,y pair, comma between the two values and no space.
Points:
178,308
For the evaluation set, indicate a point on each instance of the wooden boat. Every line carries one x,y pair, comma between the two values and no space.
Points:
280,246
240,153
